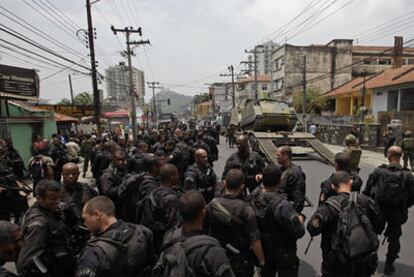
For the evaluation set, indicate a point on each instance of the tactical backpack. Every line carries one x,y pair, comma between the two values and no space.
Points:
37,169
390,187
129,247
128,195
173,260
355,238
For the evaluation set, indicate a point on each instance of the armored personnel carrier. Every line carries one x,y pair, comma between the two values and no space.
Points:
270,123
267,115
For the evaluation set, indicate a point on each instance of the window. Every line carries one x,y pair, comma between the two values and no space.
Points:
384,61
407,99
410,61
392,100
264,87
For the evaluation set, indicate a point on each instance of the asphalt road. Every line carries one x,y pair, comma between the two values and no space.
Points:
316,172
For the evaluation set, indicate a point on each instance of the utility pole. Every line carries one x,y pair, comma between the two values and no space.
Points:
96,96
304,93
154,104
71,90
363,96
128,31
254,52
233,94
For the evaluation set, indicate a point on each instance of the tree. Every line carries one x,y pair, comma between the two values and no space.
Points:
201,98
315,102
83,98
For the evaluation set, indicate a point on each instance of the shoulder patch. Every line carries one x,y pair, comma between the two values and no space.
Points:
316,223
322,198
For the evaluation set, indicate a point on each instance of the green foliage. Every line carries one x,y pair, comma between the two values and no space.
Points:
315,103
83,98
201,98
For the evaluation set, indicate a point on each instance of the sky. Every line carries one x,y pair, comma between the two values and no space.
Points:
192,41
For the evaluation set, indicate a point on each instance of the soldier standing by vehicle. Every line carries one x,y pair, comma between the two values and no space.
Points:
11,241
117,248
407,147
201,176
232,221
392,188
46,250
251,163
293,178
349,223
203,254
280,225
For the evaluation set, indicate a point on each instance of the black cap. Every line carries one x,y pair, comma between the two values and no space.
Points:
341,177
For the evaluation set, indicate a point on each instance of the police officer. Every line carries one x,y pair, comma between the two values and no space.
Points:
325,221
182,156
293,178
136,157
251,162
280,225
389,139
11,241
394,211
46,249
164,213
205,260
342,163
117,248
101,161
74,193
58,153
112,178
407,147
232,221
201,176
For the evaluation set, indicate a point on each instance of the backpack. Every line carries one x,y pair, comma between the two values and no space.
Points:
129,247
355,238
37,169
152,214
173,260
128,196
390,187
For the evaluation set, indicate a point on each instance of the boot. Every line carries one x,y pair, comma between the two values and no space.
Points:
389,267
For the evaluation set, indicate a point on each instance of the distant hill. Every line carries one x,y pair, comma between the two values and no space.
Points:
179,103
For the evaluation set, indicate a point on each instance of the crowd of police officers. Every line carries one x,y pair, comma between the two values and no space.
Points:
160,191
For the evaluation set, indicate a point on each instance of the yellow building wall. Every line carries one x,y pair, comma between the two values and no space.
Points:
343,105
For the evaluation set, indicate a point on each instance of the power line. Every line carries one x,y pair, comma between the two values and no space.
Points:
38,32
37,45
386,31
19,60
68,19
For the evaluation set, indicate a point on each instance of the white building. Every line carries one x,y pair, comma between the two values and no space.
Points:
117,84
263,58
222,96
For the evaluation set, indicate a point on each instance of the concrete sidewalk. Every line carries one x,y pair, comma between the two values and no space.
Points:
368,157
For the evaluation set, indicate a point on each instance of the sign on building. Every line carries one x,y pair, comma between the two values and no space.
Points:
18,83
70,110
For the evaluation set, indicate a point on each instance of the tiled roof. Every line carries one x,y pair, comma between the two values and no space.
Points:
370,48
64,118
391,77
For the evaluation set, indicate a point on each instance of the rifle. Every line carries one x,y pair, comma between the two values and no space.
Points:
25,188
309,244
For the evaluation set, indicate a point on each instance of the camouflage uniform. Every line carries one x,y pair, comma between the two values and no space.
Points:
407,147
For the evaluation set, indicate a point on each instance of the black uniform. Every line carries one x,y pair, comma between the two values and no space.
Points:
203,180
76,196
101,161
280,228
238,230
109,253
394,216
250,166
294,185
135,163
47,238
110,180
212,144
213,261
182,157
164,213
324,221
327,191
58,153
